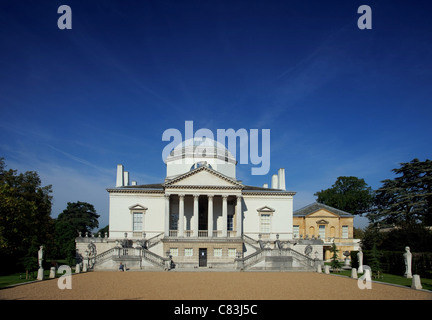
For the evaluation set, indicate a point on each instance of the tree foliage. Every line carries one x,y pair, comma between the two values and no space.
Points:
334,262
77,217
350,194
406,200
25,208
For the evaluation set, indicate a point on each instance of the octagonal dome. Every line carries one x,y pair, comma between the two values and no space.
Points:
200,151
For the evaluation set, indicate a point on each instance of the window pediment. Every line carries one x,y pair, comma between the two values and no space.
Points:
265,209
137,207
322,221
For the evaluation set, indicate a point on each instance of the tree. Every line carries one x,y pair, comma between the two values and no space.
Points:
406,200
25,208
335,263
77,217
350,194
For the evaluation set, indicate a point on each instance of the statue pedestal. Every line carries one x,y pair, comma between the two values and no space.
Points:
40,275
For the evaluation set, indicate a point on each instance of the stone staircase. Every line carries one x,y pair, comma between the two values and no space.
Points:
138,257
275,255
266,255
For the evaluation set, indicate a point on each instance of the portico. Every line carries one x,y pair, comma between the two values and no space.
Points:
203,215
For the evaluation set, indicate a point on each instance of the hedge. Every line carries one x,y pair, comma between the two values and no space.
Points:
393,262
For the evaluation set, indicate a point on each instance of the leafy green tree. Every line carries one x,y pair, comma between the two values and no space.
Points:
406,200
334,262
374,261
25,208
77,217
350,194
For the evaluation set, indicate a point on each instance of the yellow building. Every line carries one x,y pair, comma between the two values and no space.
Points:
319,221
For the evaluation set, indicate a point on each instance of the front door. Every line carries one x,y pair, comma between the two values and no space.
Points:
203,257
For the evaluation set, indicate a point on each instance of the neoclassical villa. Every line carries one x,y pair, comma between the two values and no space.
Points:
201,216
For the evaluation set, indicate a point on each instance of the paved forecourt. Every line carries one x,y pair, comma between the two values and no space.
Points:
107,285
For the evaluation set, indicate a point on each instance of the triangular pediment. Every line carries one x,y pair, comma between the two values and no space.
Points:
265,209
137,207
203,176
323,213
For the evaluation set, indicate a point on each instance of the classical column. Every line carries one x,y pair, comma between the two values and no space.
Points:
181,215
167,214
224,215
210,216
195,216
239,216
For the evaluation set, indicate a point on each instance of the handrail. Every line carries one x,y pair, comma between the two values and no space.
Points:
104,255
154,240
154,258
288,252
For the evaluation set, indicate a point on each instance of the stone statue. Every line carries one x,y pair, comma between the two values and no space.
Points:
40,275
308,250
407,258
360,260
40,256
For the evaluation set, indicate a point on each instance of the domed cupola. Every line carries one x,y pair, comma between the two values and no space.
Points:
198,152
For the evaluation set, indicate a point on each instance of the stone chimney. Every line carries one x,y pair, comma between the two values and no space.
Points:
265,185
274,182
126,178
120,176
281,179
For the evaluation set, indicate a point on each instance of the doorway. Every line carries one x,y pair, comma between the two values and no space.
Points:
203,257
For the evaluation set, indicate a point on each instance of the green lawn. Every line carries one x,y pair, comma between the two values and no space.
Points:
18,278
393,279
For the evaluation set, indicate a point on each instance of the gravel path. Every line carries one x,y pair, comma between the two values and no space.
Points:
105,285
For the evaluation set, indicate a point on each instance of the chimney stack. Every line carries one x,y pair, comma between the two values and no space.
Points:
126,178
281,179
120,176
265,185
274,182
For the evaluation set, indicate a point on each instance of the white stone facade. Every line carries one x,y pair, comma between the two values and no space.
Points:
201,215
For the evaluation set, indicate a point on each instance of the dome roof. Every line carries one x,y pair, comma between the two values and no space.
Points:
202,148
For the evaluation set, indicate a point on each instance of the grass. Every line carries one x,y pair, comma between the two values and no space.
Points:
393,279
17,278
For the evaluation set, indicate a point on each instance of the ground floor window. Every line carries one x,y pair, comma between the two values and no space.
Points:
217,252
174,252
232,253
188,252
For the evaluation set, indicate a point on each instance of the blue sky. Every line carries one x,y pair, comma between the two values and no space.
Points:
338,100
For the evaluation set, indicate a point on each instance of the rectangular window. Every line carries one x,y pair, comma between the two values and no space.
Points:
217,252
174,221
137,221
344,232
188,252
296,231
232,253
230,226
265,223
174,252
322,232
